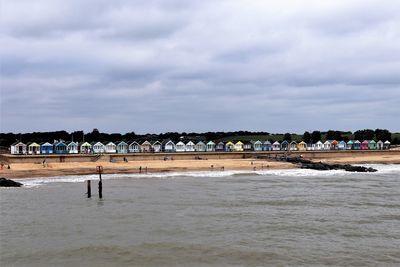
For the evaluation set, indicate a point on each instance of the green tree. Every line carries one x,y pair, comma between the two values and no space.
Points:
307,137
287,137
315,136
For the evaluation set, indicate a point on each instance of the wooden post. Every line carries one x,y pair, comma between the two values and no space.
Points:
89,191
100,170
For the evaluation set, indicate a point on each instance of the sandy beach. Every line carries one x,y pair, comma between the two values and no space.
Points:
27,170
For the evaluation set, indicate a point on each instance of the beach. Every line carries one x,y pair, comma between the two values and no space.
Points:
36,168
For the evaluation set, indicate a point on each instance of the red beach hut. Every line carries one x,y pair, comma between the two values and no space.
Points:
364,145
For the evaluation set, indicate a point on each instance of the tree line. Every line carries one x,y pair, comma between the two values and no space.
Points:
6,139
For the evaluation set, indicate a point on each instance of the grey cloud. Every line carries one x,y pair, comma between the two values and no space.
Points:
175,65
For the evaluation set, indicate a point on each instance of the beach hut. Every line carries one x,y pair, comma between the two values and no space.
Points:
326,145
85,148
190,147
284,145
60,148
257,145
357,145
364,145
318,145
334,145
133,147
157,146
276,146
46,148
145,147
210,146
98,147
122,147
372,145
220,147
293,146
72,147
310,146
350,145
200,146
229,147
302,146
180,147
342,145
168,146
379,145
33,148
238,147
248,146
267,146
111,147
18,148
386,145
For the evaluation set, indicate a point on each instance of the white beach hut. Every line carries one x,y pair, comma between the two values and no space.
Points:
168,146
157,146
318,145
122,147
257,145
276,146
146,147
379,145
293,146
72,147
18,148
200,147
134,147
210,146
190,147
386,145
85,148
110,147
98,148
180,147
327,145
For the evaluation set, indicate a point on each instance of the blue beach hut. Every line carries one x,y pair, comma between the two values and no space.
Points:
60,148
342,145
267,146
284,145
46,148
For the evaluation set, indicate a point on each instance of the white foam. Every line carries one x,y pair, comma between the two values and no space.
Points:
382,169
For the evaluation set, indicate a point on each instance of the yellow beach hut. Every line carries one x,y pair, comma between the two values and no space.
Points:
33,148
229,146
302,146
238,147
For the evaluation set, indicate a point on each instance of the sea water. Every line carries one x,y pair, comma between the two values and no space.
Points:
231,218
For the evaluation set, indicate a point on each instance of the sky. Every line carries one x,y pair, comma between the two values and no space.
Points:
166,65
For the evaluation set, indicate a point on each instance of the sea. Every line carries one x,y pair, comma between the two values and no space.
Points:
223,218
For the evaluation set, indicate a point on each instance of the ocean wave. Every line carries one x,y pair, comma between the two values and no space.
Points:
34,182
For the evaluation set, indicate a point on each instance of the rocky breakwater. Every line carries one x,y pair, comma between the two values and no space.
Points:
9,183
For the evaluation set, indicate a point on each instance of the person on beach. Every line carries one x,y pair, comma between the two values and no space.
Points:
44,163
2,165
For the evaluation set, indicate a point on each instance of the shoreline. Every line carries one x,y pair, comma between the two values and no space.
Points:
51,169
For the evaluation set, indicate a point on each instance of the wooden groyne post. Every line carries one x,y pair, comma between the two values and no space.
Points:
100,170
89,190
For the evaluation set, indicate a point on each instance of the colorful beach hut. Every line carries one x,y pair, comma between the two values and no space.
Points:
372,145
350,145
357,145
326,145
284,145
229,146
210,146
157,146
293,146
220,147
98,147
342,145
85,148
145,147
110,147
72,147
180,147
238,147
60,148
33,148
248,146
302,146
190,147
334,145
276,146
386,145
122,147
200,146
258,145
267,146
133,147
364,145
18,148
168,146
46,148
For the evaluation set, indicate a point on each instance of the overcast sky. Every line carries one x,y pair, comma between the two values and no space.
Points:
161,65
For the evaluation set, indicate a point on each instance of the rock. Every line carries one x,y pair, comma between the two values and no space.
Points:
9,183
